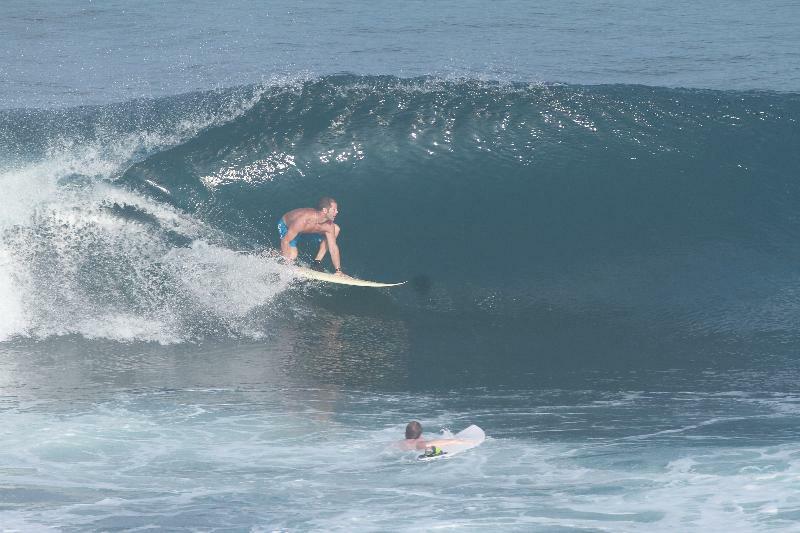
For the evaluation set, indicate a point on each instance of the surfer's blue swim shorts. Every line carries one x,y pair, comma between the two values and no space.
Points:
283,229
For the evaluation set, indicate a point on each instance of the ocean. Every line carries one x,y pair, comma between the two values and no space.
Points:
594,205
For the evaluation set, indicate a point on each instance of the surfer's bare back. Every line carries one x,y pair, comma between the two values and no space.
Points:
415,441
317,225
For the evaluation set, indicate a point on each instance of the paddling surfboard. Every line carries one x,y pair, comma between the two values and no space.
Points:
341,280
472,436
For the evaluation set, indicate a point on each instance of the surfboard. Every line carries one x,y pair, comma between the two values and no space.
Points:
473,435
307,273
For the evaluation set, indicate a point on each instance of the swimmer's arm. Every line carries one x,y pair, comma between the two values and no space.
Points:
410,444
446,442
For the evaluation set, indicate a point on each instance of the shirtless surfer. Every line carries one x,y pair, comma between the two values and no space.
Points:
414,441
317,225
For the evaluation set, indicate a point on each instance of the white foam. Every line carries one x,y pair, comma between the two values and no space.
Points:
107,276
148,457
13,318
57,223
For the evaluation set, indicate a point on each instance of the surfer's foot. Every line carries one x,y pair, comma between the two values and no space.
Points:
317,265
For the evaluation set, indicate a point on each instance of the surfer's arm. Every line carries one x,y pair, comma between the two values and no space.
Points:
333,248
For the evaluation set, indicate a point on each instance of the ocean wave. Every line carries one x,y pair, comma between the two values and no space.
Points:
495,199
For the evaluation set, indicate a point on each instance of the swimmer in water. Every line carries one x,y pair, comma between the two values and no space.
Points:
415,441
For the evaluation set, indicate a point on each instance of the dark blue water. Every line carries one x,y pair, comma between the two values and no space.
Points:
594,207
90,52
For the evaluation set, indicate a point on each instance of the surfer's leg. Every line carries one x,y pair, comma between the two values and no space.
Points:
283,229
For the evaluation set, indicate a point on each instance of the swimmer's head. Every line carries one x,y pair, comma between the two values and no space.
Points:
413,430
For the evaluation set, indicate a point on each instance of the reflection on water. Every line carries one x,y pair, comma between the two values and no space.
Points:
349,351
390,351
304,352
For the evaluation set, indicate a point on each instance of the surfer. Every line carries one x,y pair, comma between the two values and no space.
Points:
315,225
414,440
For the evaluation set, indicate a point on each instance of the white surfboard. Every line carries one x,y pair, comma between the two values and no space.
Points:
341,280
473,436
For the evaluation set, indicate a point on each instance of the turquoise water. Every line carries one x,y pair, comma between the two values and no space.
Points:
594,207
236,437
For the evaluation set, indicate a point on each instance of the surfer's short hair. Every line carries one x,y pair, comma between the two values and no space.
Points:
413,430
325,202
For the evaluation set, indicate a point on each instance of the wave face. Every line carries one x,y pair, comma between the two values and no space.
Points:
535,208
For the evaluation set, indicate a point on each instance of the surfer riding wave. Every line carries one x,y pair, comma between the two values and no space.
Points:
316,225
